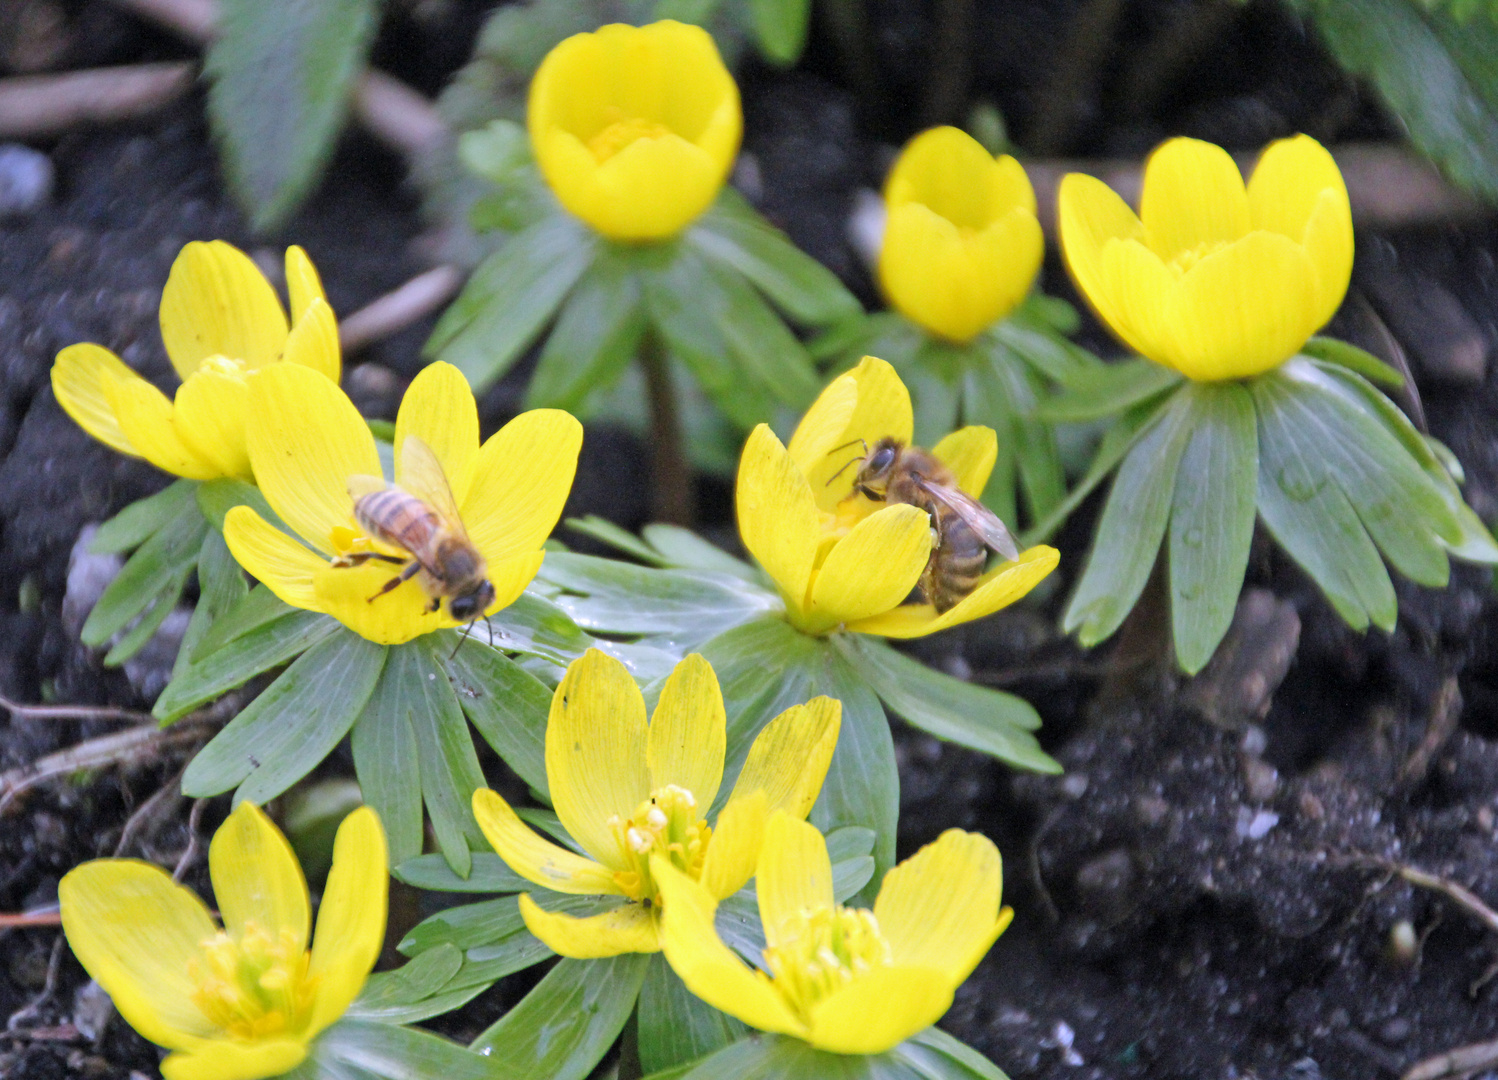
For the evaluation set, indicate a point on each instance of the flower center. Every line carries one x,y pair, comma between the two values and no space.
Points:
621,131
254,986
667,822
822,950
1186,258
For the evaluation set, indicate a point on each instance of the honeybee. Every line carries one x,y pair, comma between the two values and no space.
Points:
964,528
420,516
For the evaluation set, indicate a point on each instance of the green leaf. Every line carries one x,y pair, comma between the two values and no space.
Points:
929,1055
596,335
989,721
510,297
780,28
256,608
1439,76
450,772
760,342
386,755
1046,351
1132,526
563,1027
493,922
135,524
1108,390
685,550
1212,519
535,625
935,1055
354,1049
217,497
159,566
144,629
935,396
676,1026
734,234
221,587
1309,516
763,668
508,705
1353,358
416,991
282,75
285,733
261,649
489,874
606,532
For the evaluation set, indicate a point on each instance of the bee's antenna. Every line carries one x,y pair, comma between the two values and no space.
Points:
844,469
468,629
863,442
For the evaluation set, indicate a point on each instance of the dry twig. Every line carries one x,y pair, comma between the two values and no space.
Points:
32,106
72,712
399,308
1445,711
135,743
1463,1061
20,919
190,855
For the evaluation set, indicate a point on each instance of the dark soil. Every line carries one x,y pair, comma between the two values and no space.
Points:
1210,891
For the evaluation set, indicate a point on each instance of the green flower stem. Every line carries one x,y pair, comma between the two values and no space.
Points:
671,478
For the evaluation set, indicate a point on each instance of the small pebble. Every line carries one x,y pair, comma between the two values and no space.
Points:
26,177
1404,943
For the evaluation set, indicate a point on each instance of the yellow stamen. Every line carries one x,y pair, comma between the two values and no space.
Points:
1185,259
255,985
667,822
822,950
621,132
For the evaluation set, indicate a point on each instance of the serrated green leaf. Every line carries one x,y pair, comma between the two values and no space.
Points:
596,336
160,565
1353,358
282,73
135,524
510,297
489,874
261,649
676,1026
986,720
1108,390
221,587
354,1049
285,733
563,1027
258,607
1212,519
508,705
1133,524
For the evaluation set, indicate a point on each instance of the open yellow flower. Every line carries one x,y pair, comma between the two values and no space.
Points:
244,1001
839,559
962,243
847,980
221,321
633,795
635,128
1212,279
306,440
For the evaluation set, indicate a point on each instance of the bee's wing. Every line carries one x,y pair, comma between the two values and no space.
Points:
422,476
360,485
980,518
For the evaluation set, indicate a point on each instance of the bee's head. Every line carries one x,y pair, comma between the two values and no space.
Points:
471,604
873,474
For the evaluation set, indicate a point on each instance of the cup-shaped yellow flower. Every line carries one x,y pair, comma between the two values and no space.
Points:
633,794
847,980
839,559
221,321
635,128
307,443
243,1001
1213,279
962,243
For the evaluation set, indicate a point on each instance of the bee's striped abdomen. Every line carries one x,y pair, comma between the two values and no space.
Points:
398,519
956,563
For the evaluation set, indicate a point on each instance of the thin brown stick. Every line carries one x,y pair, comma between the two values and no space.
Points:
1445,711
134,743
1463,1061
398,309
73,712
11,920
162,801
190,855
34,106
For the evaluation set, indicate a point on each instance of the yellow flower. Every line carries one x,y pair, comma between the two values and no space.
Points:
307,441
221,321
1213,280
848,980
961,240
635,128
840,560
242,1002
627,792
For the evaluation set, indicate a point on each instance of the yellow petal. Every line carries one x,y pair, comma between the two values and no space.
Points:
1142,291
949,171
821,428
778,518
532,856
1089,214
135,932
256,878
880,1009
217,303
874,567
313,341
970,453
227,1059
145,416
351,917
788,760
285,566
595,751
708,967
510,577
1243,310
303,285
794,877
1193,196
353,595
306,439
1329,247
733,851
521,480
881,410
78,382
940,907
997,589
629,928
1297,190
439,410
689,732
209,417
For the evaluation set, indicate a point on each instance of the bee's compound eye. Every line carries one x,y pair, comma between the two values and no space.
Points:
882,458
472,604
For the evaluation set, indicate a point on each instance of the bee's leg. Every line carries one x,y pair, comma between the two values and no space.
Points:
404,576
434,605
359,558
870,493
